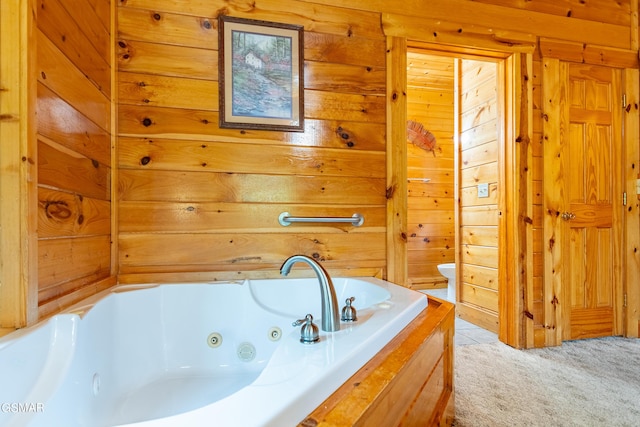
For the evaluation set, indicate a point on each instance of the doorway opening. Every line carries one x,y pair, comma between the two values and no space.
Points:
456,185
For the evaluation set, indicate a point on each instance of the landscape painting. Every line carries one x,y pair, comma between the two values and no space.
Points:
261,76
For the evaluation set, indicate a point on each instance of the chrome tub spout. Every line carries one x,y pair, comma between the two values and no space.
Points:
330,310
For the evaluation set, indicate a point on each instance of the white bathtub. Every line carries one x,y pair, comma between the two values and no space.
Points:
141,355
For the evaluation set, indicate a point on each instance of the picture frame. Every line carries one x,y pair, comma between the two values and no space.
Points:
261,74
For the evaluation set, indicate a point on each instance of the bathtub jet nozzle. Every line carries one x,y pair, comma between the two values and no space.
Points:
330,309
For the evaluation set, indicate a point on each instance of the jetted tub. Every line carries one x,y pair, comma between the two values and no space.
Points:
222,354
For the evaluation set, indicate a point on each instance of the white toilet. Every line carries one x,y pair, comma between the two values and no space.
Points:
448,270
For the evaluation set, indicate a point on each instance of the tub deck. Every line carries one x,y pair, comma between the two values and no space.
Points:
409,382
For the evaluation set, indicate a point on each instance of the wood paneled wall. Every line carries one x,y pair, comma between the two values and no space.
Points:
211,197
564,30
480,127
158,114
431,223
74,121
197,202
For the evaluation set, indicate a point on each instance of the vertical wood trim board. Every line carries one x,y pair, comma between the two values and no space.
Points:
18,161
516,259
526,215
457,131
553,100
631,170
114,212
396,160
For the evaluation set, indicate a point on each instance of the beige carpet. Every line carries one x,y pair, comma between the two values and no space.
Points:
582,383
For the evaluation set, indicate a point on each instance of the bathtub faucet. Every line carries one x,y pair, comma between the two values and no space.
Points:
330,310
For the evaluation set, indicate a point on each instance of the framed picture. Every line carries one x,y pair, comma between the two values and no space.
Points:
260,75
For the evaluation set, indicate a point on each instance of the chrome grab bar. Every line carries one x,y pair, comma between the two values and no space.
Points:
286,219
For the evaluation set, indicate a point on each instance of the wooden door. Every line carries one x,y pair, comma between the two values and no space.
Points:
592,216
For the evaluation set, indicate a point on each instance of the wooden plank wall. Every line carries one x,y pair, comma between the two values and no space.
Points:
479,216
200,186
144,41
431,222
74,151
197,202
596,32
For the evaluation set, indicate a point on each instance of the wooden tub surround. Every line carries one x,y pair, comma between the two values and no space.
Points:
409,382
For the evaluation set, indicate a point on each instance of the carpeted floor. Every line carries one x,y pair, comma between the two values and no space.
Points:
582,383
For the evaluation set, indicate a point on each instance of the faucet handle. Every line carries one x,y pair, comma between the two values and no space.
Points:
309,331
348,311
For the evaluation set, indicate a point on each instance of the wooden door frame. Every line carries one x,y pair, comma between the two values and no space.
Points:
516,328
631,172
516,205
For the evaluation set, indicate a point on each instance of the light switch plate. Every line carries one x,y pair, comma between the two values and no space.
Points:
637,186
483,190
